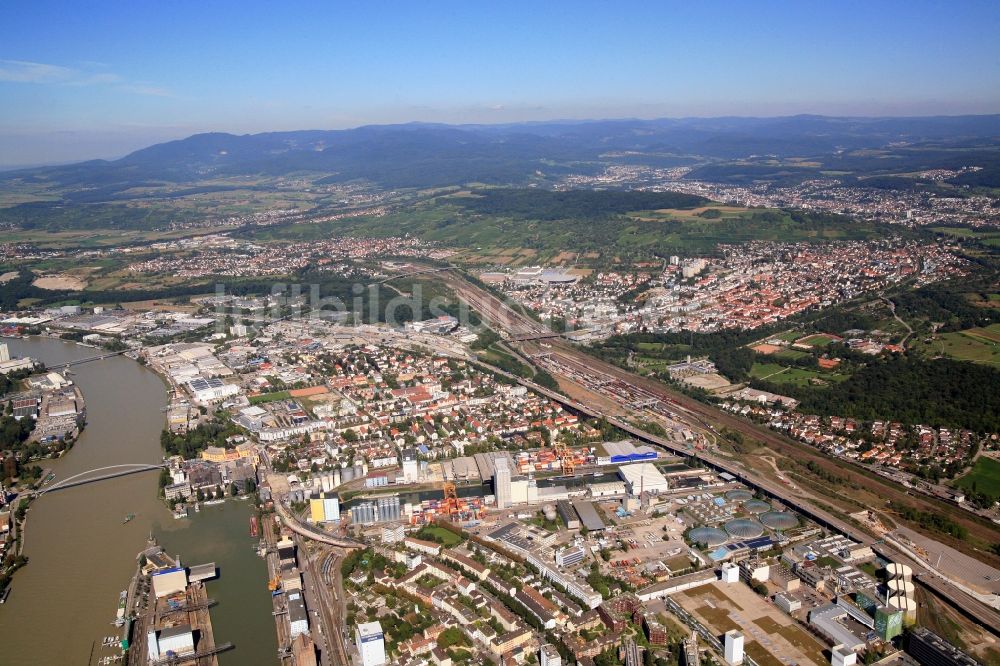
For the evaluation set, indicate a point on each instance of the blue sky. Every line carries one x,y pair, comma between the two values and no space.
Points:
97,79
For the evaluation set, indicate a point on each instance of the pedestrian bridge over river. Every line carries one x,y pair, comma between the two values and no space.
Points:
99,474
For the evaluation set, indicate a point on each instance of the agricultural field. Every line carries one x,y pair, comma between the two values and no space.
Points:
977,345
984,477
990,237
700,214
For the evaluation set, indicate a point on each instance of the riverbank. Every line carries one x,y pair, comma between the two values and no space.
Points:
79,550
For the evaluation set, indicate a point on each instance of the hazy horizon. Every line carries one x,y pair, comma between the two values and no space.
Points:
101,80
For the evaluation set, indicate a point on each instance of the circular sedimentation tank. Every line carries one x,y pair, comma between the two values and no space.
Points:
756,506
708,536
744,528
779,520
739,495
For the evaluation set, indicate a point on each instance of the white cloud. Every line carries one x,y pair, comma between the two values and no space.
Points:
22,71
144,89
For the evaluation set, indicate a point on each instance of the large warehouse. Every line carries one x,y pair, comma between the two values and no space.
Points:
643,477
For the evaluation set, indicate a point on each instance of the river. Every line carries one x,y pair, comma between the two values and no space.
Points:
81,555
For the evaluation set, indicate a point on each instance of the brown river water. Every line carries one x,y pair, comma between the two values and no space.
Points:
81,555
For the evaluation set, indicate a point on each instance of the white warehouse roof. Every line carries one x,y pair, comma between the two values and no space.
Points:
643,477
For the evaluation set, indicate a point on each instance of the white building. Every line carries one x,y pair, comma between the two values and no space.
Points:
501,483
411,467
4,352
169,581
843,656
211,389
178,640
643,477
298,618
787,603
548,655
734,647
392,534
730,573
371,644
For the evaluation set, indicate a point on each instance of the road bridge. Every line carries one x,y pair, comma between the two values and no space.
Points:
309,532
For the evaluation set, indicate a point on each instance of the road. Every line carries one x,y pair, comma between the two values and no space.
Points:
304,530
701,416
892,309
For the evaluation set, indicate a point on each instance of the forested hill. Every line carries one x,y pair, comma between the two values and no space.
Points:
421,155
938,392
573,204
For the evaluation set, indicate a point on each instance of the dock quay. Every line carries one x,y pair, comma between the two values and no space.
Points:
169,621
270,549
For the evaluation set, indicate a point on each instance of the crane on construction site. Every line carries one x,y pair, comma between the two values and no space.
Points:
450,502
565,456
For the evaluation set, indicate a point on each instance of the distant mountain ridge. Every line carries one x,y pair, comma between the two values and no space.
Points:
426,154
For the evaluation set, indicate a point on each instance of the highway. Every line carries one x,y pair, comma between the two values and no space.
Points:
302,529
701,416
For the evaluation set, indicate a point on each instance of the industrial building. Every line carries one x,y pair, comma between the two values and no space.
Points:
568,514
206,390
178,640
381,510
371,643
169,581
411,466
930,649
324,507
643,477
501,483
298,618
588,516
627,452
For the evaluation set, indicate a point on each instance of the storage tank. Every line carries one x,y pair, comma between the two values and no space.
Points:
900,586
347,475
549,511
327,481
909,608
336,478
899,571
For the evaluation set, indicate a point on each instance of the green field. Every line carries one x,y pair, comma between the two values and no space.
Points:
445,537
978,345
984,477
269,397
779,374
789,354
989,237
788,336
817,340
